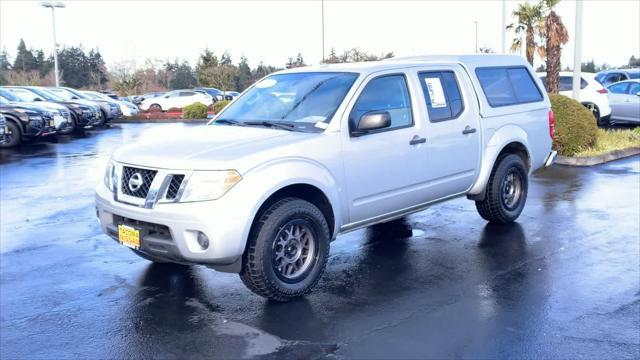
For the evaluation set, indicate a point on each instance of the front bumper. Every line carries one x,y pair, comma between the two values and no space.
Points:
170,230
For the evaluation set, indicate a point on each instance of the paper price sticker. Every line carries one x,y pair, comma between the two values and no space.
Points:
436,93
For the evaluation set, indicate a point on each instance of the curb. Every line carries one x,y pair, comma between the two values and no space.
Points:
598,159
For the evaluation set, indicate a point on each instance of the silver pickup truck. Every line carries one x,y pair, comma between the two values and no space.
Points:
308,153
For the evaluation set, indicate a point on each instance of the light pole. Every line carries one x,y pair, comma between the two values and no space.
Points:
476,27
53,6
503,30
322,4
577,56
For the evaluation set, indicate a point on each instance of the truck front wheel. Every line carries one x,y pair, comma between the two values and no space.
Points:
287,250
506,191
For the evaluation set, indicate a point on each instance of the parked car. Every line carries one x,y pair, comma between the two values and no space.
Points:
126,108
608,77
624,99
231,95
63,121
3,130
139,99
25,122
592,95
216,94
176,99
264,188
83,115
108,110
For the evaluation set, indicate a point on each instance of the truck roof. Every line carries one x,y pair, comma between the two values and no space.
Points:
470,61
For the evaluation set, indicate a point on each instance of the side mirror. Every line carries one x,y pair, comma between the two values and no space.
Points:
38,99
372,120
638,93
75,98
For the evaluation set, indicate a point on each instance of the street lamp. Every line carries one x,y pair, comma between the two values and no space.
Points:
53,6
322,4
577,52
476,27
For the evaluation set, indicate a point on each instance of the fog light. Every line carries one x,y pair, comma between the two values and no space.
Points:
203,241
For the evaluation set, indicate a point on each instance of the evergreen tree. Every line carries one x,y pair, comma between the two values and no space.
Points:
4,61
183,77
25,61
243,75
225,59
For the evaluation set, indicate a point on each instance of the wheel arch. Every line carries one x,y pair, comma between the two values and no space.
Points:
505,141
15,120
304,191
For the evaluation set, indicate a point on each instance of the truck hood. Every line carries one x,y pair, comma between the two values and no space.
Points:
209,147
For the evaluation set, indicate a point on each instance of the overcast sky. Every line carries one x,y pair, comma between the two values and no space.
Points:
272,31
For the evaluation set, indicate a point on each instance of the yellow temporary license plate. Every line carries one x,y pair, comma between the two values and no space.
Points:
52,123
129,236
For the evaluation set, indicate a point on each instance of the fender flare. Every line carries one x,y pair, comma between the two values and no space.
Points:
502,138
275,176
15,120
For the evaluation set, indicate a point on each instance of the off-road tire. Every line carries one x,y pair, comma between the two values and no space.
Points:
258,272
16,135
493,208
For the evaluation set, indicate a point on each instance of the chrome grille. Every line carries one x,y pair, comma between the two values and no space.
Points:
65,113
146,176
174,186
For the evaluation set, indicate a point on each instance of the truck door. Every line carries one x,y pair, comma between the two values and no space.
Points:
384,169
453,129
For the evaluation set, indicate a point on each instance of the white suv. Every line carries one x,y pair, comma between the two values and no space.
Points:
308,153
592,95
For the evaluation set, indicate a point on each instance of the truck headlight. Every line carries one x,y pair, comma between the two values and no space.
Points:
209,185
109,176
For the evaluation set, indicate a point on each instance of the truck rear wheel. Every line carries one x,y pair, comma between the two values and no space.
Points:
287,250
506,191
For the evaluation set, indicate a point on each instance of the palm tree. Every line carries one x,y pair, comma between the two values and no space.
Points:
556,35
528,16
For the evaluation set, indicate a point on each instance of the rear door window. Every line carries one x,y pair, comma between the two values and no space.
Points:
634,88
508,85
442,95
620,88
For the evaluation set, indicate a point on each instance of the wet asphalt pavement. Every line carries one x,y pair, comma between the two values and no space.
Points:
562,282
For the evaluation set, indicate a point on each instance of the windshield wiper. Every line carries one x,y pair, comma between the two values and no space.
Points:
229,122
267,123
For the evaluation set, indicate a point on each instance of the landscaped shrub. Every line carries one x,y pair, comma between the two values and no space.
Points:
576,129
217,107
195,111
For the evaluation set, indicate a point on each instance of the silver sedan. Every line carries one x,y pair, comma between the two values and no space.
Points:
624,99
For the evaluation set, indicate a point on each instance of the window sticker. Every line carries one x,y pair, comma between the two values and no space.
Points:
436,93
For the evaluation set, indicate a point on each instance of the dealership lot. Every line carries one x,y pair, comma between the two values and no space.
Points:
562,282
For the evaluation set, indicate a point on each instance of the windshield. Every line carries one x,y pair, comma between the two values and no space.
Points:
9,95
96,96
64,94
298,99
45,94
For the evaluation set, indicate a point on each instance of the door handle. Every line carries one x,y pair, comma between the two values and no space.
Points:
468,130
417,140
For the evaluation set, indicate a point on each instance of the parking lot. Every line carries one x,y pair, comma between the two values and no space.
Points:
561,282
